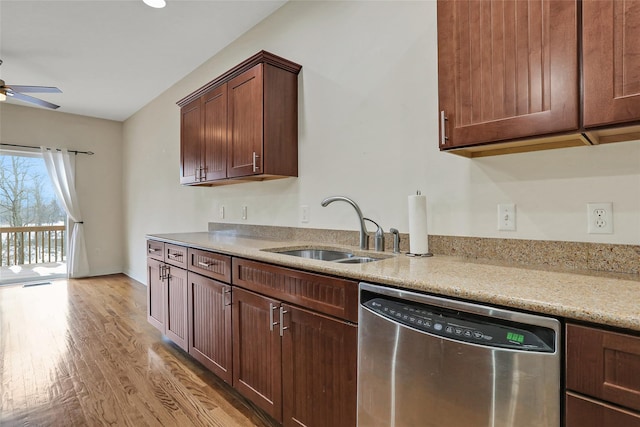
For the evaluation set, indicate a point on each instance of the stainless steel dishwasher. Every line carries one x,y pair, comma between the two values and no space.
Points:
426,361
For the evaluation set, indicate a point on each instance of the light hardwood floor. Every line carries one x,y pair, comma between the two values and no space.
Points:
81,353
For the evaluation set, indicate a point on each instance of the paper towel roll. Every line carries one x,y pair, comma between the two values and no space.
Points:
418,237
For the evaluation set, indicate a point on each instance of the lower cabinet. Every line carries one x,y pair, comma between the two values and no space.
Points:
585,412
209,310
297,365
156,293
602,378
319,364
283,338
167,300
176,325
257,353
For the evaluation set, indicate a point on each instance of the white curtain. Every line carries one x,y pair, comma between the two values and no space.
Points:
61,169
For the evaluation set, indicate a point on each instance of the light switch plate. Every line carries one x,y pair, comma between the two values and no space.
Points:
507,217
304,213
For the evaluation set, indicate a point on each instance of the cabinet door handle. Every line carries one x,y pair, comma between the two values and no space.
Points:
443,133
174,256
282,327
152,250
255,163
163,272
271,322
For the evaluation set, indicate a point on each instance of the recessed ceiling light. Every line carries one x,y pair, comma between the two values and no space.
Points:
158,4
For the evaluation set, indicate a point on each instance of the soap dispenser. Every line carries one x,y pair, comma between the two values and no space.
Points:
379,236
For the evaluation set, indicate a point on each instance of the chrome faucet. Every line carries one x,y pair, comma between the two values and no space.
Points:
364,237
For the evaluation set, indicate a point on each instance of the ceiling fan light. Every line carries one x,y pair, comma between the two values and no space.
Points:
158,4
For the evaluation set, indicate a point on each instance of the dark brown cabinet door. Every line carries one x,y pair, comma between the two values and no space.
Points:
585,412
611,61
176,320
604,365
507,69
156,300
210,324
214,147
319,368
245,123
191,142
257,357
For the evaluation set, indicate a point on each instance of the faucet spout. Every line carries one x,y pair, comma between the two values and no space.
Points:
364,237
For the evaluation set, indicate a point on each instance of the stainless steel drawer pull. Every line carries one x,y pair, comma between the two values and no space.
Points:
153,250
206,265
225,291
443,133
271,322
255,163
174,256
282,327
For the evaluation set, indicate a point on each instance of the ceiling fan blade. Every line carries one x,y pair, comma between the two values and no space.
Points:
31,99
33,89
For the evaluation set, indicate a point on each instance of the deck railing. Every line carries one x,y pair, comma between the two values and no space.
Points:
32,245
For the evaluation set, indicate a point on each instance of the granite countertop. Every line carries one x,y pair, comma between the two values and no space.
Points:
607,299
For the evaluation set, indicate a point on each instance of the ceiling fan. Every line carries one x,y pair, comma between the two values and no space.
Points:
18,92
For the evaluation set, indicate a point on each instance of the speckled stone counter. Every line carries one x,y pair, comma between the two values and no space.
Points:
607,299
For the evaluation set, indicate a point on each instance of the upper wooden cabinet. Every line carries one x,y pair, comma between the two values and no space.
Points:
243,125
510,74
611,61
507,69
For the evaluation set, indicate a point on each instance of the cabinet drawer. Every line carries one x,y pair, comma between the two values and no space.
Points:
175,255
604,364
585,412
210,264
155,250
328,295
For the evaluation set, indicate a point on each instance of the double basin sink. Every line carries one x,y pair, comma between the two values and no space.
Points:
331,255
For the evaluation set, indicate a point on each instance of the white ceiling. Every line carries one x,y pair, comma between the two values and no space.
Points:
110,58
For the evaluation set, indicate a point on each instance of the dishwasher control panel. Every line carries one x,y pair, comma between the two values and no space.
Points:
466,327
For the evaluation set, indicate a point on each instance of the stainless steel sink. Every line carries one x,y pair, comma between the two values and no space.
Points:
342,257
321,254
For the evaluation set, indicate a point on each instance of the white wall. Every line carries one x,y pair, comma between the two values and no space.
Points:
98,177
368,130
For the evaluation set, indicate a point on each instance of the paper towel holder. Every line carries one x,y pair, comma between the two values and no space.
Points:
419,255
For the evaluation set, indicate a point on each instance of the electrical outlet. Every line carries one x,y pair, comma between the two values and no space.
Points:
507,217
600,218
304,213
221,212
244,212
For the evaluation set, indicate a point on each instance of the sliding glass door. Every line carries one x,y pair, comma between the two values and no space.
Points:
33,231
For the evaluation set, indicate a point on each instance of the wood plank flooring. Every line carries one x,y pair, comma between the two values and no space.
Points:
81,353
